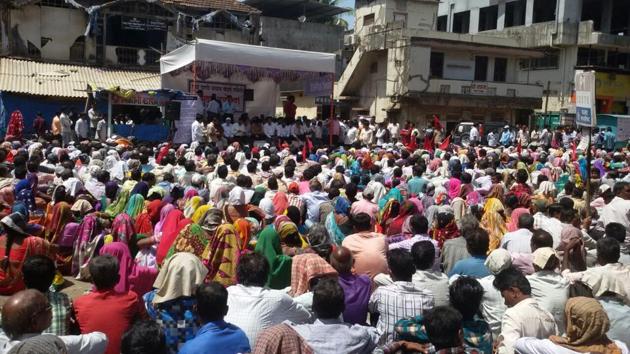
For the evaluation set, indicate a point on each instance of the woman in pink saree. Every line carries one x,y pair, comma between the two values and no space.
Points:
131,276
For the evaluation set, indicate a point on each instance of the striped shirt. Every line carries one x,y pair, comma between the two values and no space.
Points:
398,301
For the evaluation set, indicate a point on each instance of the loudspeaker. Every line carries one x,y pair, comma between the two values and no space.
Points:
172,110
249,95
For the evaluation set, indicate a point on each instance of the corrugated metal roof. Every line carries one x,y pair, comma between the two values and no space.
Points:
60,80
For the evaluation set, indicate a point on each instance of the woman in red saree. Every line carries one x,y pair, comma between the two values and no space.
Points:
407,209
15,246
445,228
15,128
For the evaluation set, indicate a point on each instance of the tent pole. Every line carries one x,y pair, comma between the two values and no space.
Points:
332,108
109,115
194,80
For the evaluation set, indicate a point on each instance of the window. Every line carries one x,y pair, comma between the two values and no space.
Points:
544,10
77,50
481,68
461,22
374,68
437,65
400,18
442,22
515,13
591,57
549,61
500,69
488,18
368,20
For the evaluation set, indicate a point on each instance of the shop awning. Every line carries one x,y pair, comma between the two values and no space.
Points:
60,80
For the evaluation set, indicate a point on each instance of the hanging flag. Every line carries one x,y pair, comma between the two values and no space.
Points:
436,122
445,143
306,149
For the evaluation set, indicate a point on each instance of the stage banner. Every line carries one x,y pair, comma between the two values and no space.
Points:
222,90
188,114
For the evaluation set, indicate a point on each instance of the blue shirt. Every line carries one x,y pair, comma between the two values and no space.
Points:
415,186
217,337
473,267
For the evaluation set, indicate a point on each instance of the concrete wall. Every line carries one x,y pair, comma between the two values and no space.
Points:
63,26
291,34
372,92
306,106
420,14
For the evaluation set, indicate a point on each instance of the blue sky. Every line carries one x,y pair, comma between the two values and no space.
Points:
348,17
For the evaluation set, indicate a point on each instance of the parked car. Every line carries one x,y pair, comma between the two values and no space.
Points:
461,133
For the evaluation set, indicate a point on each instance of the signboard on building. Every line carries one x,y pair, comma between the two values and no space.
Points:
142,24
623,129
585,114
478,88
140,99
222,90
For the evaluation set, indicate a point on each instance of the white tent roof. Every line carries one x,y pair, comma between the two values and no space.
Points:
247,55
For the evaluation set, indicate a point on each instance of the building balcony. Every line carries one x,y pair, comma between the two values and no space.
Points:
477,94
589,37
484,88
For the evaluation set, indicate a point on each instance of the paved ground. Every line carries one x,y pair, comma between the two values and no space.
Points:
72,287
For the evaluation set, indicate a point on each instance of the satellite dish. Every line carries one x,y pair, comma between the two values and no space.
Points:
302,19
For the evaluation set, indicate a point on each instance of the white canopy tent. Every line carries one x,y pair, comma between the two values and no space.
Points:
249,74
247,55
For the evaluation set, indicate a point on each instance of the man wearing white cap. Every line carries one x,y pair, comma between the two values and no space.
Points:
549,288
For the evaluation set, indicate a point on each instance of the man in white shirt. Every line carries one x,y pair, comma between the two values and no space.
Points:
608,275
549,288
519,241
254,307
423,253
618,210
101,129
394,131
474,135
26,314
269,129
66,128
551,223
197,130
228,129
351,135
82,128
492,304
214,107
228,107
524,316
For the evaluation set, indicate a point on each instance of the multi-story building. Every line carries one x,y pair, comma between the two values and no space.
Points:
55,48
404,69
573,34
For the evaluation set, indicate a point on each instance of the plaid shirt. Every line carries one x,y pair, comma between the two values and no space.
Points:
61,310
397,301
477,335
176,317
281,339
